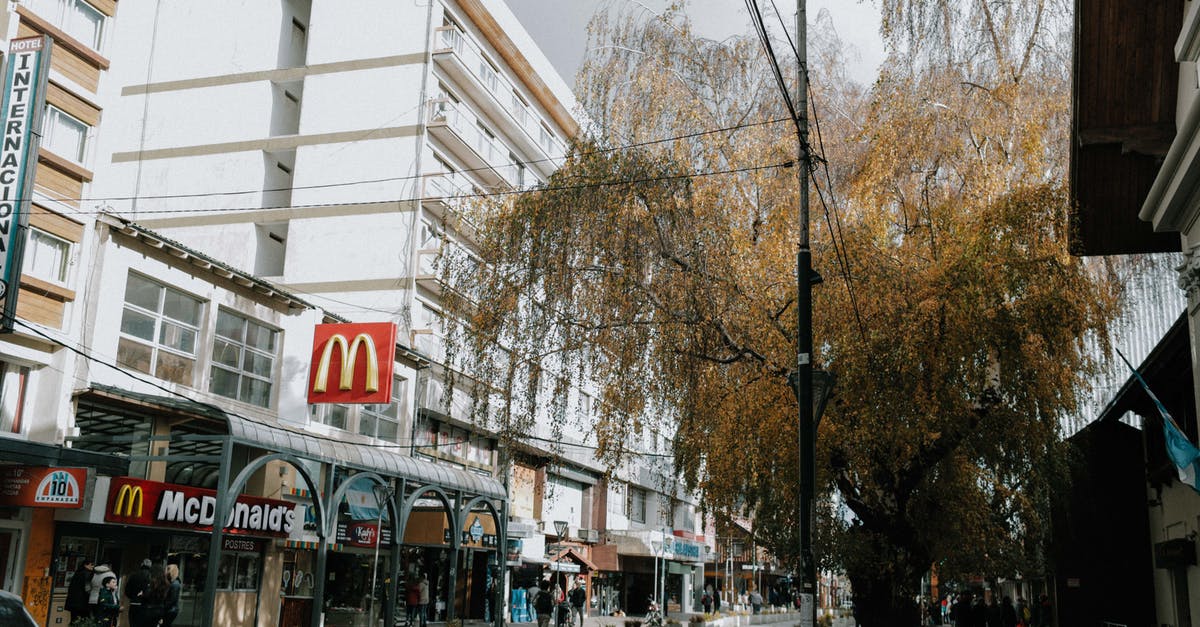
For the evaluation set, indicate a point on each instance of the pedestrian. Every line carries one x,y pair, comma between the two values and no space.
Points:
1043,613
1023,614
993,616
544,604
154,601
78,591
100,573
108,604
171,606
716,597
578,603
1008,613
706,601
531,594
412,600
136,590
423,592
756,600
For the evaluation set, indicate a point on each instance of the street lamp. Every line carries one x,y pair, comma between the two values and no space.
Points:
383,495
560,527
656,548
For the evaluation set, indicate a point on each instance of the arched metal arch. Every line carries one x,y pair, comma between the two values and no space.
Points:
411,500
466,509
340,493
235,488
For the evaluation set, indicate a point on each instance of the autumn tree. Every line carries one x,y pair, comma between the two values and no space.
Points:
662,271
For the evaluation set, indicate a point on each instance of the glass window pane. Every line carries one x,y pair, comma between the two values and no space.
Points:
257,364
84,23
224,382
46,256
337,416
172,367
138,324
133,355
181,307
387,430
179,338
225,571
229,325
260,337
226,353
366,424
256,392
143,293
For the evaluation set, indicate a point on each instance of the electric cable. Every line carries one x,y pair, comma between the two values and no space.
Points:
412,446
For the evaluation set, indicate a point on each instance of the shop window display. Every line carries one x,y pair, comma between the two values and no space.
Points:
239,571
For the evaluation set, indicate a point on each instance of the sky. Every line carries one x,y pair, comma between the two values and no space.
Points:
560,26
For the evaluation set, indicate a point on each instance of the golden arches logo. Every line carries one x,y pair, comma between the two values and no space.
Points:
349,354
129,497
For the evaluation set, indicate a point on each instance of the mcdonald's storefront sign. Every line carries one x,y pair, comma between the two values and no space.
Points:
139,502
352,363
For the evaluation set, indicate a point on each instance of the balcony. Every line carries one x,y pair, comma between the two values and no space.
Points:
446,196
461,133
462,59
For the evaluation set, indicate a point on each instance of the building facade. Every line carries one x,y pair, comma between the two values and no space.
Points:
254,178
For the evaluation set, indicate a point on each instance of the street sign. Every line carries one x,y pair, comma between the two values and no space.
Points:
564,567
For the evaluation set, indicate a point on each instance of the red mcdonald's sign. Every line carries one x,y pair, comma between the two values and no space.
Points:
352,363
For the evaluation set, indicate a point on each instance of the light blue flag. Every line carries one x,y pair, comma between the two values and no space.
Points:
1180,450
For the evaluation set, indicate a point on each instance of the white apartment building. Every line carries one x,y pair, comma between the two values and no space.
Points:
325,148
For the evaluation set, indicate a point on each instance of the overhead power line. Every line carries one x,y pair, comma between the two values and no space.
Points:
411,177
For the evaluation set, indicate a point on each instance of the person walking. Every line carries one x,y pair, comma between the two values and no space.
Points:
136,590
423,598
531,594
578,603
154,601
171,606
78,591
756,601
544,604
412,601
108,604
706,602
99,574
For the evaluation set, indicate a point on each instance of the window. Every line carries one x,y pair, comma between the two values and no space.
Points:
239,571
617,500
243,359
489,75
334,415
383,421
64,135
76,17
158,330
13,381
636,507
46,256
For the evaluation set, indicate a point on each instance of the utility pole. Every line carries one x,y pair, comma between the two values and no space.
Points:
804,341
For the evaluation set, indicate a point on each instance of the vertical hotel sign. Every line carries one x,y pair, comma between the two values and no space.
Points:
352,363
25,77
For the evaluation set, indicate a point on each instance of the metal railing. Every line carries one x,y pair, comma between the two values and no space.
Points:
473,59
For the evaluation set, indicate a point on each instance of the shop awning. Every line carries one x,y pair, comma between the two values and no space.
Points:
574,555
32,453
278,438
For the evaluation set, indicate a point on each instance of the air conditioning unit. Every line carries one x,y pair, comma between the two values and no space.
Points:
589,535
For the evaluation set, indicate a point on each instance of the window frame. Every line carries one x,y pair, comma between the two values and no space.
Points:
242,347
399,396
156,345
48,133
636,495
67,259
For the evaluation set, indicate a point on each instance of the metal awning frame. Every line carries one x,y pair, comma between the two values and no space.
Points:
406,479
